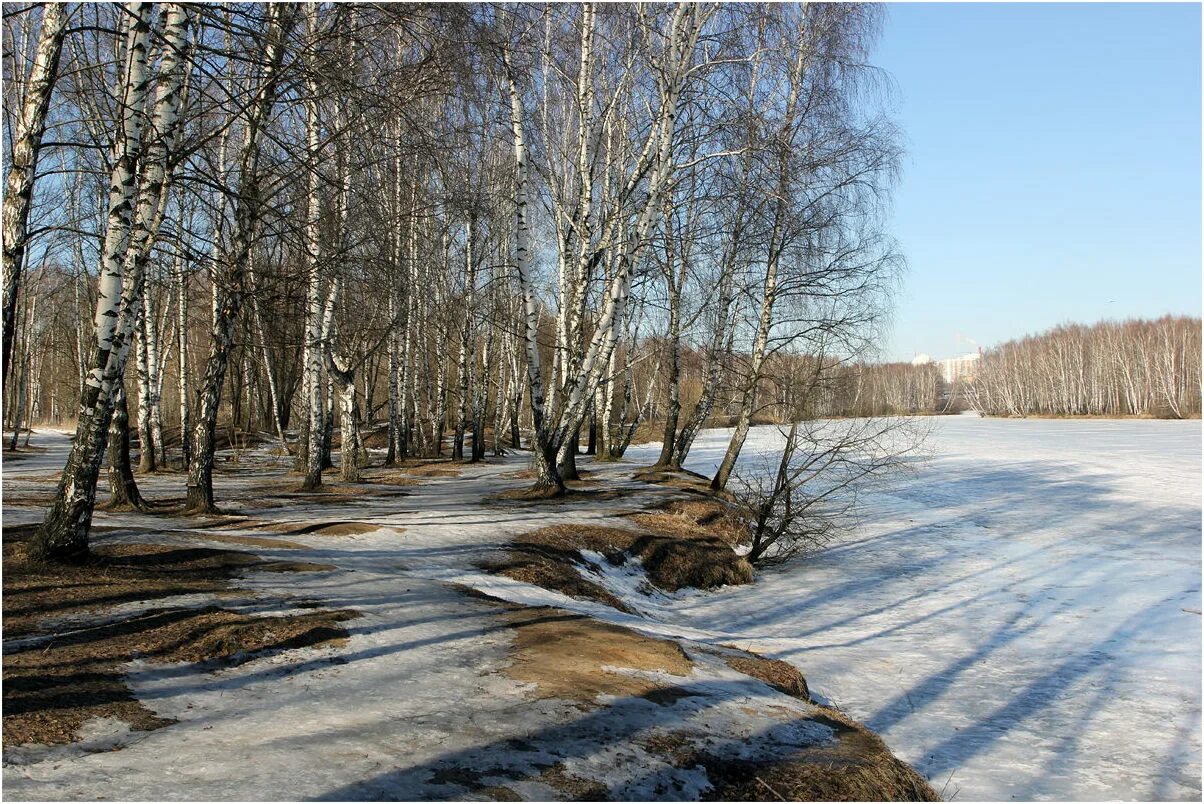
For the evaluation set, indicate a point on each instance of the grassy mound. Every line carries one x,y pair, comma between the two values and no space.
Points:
685,543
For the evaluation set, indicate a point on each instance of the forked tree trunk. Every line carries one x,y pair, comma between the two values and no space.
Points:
63,535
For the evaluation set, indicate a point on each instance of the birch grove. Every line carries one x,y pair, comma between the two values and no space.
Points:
368,234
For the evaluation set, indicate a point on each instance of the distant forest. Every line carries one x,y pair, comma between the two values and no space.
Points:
1136,367
1113,368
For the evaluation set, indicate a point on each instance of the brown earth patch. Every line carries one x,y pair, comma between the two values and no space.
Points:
782,676
690,519
430,468
549,495
674,564
57,684
550,557
319,528
116,573
677,479
574,788
564,654
293,566
521,474
52,690
387,477
857,766
250,541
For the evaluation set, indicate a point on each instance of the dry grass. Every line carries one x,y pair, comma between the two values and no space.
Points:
701,563
687,543
547,558
782,676
430,468
119,573
857,766
682,480
249,541
573,788
689,519
565,655
49,692
54,687
550,495
387,476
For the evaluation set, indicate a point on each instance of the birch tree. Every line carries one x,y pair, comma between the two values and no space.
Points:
23,161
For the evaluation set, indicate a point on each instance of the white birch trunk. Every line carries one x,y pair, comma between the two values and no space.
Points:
23,163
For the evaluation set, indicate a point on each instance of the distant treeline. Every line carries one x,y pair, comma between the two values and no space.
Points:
881,389
1113,368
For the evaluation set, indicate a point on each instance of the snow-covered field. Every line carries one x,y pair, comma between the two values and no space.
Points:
1021,618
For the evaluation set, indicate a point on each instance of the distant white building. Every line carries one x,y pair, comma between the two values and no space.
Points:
921,360
955,369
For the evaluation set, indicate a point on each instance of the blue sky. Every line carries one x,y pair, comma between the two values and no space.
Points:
1052,171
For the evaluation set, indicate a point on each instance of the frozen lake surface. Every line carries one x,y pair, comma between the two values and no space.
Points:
1019,619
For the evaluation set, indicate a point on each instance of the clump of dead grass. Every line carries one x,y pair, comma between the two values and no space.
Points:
682,479
702,563
574,493
115,573
314,527
856,766
548,558
567,655
782,676
692,518
686,544
430,468
51,690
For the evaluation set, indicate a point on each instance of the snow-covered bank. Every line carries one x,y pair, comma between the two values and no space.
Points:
1021,617
423,700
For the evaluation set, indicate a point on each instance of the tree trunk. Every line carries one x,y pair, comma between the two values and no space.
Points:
23,162
63,535
231,292
123,489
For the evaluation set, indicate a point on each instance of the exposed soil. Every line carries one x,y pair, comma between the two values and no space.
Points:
857,767
546,495
690,519
116,573
574,788
682,479
249,541
433,468
51,690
